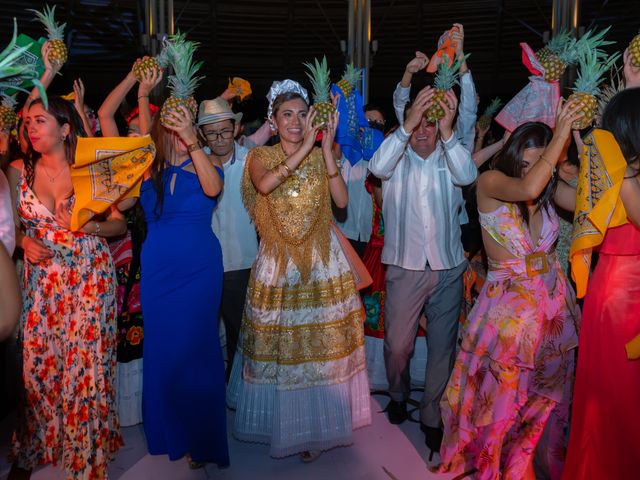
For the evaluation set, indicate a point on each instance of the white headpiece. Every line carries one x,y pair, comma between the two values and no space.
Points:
285,86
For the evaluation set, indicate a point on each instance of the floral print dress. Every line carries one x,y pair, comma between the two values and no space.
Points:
68,414
514,373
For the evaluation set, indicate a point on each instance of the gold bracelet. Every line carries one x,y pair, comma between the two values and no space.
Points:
284,164
333,175
194,146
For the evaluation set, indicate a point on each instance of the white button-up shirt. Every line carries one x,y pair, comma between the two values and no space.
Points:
422,201
230,221
357,225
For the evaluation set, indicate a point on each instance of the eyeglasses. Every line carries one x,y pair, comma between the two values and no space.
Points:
214,136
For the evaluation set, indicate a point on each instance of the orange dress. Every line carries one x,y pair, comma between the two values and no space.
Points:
605,421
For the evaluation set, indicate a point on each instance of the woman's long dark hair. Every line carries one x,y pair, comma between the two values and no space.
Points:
622,118
64,112
509,160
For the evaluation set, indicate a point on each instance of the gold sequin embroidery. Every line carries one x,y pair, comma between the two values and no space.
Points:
293,220
297,344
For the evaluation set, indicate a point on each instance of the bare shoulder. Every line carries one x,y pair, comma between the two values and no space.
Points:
486,202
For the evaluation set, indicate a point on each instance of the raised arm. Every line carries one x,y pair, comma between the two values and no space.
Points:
337,187
267,180
210,180
47,77
468,108
148,82
495,184
461,167
403,89
386,159
487,153
78,102
109,107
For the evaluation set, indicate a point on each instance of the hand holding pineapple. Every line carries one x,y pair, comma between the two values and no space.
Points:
422,102
458,37
449,104
569,112
53,67
632,63
57,53
148,81
182,123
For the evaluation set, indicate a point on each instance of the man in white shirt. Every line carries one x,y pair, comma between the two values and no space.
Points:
422,172
230,222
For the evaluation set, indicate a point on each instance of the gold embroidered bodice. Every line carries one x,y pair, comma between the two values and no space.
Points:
293,220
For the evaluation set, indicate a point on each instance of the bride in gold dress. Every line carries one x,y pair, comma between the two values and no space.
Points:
300,383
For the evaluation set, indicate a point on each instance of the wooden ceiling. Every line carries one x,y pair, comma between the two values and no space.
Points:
264,40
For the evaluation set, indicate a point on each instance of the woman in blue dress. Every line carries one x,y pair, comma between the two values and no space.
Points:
181,282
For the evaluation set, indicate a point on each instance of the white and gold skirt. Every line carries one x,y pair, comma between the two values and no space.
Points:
299,380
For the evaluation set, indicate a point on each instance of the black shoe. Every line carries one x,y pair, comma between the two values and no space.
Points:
397,412
432,438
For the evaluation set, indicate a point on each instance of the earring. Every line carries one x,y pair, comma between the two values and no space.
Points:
63,138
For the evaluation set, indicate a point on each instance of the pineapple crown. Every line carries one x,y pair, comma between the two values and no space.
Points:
179,54
592,41
352,75
319,75
493,107
55,31
615,85
13,72
8,101
560,43
593,65
447,75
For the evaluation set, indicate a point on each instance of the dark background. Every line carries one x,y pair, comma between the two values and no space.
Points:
265,40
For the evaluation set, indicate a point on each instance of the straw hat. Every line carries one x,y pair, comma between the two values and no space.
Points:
216,110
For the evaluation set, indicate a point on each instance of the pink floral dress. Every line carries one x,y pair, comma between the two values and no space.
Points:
514,372
68,414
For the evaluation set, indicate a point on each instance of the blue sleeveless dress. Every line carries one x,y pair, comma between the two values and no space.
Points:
180,288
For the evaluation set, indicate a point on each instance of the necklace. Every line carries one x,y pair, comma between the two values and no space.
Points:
51,178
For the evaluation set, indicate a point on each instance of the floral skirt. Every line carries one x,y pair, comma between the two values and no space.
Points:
512,376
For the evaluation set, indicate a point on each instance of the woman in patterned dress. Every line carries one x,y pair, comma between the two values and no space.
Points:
513,374
68,414
299,380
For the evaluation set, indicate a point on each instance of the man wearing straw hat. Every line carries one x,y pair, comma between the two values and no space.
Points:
230,222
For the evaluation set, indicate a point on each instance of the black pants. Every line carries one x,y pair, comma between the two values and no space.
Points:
234,293
358,246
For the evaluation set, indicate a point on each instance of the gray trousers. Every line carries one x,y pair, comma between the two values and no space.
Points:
439,295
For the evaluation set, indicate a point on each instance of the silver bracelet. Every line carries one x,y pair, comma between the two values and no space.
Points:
98,229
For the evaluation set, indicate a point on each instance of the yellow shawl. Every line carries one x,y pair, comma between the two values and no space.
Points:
107,170
598,204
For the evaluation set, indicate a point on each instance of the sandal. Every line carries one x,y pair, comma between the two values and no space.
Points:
309,456
195,465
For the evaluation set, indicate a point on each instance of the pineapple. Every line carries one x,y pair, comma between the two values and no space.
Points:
593,65
634,51
446,77
490,111
319,75
183,82
55,32
349,80
563,50
8,117
147,65
556,55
